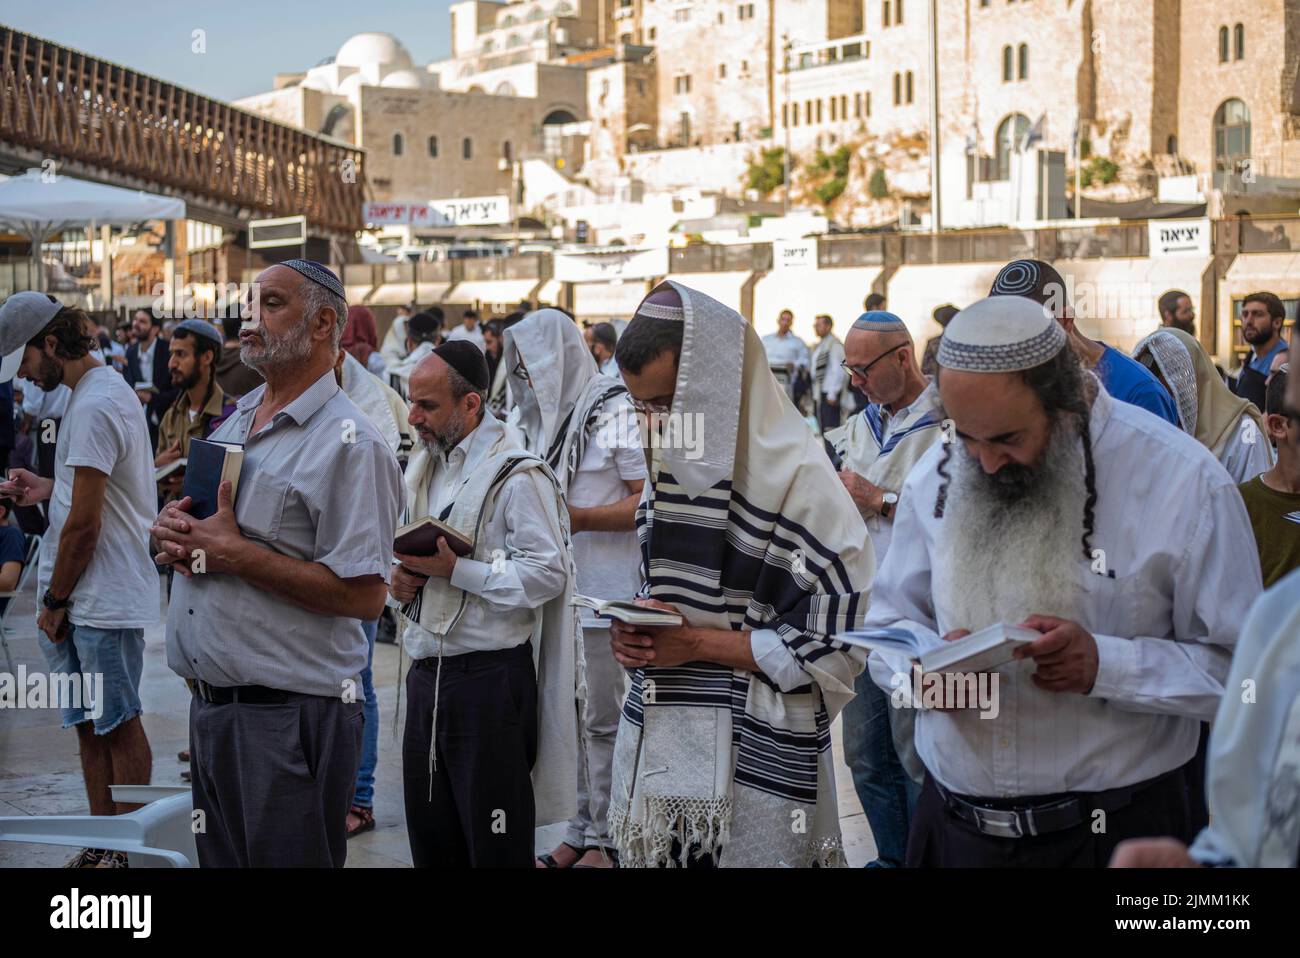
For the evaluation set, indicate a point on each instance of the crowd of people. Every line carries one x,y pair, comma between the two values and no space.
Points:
1139,513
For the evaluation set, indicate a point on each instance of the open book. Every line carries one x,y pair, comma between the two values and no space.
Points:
208,465
420,538
978,652
162,472
626,612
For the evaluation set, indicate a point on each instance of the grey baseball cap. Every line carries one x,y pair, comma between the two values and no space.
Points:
22,316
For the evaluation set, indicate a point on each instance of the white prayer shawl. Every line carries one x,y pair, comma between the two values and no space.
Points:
557,412
1253,782
439,605
826,356
498,398
381,404
757,532
883,450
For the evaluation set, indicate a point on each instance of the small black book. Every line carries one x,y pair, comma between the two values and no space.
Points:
208,465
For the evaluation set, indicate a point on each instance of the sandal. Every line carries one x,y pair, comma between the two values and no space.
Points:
367,818
548,860
606,854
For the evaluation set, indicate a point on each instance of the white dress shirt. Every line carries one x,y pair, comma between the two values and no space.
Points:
474,335
503,595
787,350
1177,538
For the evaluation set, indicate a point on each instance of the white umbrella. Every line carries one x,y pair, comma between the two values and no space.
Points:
39,204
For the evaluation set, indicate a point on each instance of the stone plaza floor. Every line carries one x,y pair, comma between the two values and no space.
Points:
40,773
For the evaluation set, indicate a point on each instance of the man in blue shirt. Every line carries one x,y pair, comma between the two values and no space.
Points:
1124,378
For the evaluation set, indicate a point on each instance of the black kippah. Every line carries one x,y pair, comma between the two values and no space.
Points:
467,359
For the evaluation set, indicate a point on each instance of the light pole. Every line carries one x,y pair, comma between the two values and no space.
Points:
936,206
785,119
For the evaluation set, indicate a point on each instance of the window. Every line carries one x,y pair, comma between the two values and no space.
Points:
467,148
1008,64
1022,62
721,17
744,68
650,34
744,12
898,88
866,103
984,3
1171,145
844,106
835,106
398,144
857,104
682,84
909,86
898,11
1223,44
433,147
884,13
1238,42
785,114
1010,132
722,71
682,15
684,128
735,131
1231,135
535,13
639,85
794,114
507,151
808,116
515,40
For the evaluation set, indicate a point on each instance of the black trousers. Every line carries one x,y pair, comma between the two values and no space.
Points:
939,839
827,415
475,808
274,782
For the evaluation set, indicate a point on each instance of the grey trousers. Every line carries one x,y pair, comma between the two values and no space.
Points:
273,782
605,690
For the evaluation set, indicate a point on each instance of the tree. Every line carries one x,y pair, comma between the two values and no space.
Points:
767,172
878,186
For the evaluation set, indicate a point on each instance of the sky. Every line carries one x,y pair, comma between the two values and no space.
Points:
247,42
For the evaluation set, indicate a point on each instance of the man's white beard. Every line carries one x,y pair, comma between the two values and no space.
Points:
278,352
1003,562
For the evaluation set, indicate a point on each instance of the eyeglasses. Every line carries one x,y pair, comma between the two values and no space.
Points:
861,371
650,406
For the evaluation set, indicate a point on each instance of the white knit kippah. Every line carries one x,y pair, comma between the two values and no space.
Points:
1001,334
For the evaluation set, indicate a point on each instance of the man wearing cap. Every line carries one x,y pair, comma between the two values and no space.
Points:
201,404
488,750
1124,378
266,616
97,587
423,330
877,449
1050,508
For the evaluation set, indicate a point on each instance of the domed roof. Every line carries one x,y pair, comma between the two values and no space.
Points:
350,84
383,49
405,79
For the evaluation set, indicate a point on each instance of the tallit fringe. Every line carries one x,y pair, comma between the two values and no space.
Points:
701,823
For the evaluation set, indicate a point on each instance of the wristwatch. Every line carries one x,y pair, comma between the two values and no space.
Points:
52,603
887,503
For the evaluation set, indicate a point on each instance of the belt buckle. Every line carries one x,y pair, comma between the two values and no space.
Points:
1002,823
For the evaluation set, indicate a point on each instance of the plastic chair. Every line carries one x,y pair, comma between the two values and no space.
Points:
159,835
30,565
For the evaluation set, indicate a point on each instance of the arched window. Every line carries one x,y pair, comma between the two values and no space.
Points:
1010,132
515,40
1171,145
1238,42
433,147
398,144
489,45
508,20
1223,44
539,33
1022,58
909,86
563,9
1008,64
505,88
1231,135
535,13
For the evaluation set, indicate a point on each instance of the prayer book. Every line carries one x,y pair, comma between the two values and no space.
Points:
162,472
978,652
208,465
626,612
420,538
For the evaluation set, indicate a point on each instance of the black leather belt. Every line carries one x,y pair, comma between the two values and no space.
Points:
1018,819
248,694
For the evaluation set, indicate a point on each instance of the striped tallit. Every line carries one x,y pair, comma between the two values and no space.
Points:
754,531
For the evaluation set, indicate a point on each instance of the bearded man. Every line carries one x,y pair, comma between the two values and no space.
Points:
269,626
1050,508
488,750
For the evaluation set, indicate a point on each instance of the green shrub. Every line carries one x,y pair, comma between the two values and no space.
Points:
830,191
878,186
767,172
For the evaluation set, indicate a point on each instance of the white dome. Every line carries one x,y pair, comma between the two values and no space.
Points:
350,84
405,80
373,48
317,81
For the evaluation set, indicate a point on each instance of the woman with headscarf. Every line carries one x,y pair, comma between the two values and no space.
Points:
361,339
1229,426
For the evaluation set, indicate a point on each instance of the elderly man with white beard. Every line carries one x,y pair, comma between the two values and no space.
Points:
268,627
1050,507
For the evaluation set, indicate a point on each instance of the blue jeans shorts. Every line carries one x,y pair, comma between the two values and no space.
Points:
110,663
